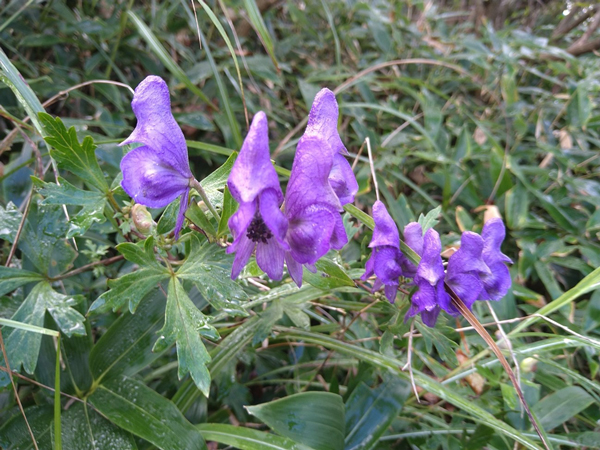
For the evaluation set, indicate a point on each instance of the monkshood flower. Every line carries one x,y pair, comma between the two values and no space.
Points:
322,123
431,296
158,172
497,282
312,208
258,223
387,261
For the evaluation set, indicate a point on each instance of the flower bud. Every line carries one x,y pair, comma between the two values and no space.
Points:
142,219
529,365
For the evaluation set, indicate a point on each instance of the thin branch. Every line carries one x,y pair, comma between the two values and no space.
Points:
372,165
13,248
102,262
409,361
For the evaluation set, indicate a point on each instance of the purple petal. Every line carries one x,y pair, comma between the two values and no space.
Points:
431,267
269,258
309,234
149,180
493,234
294,269
322,120
413,236
274,219
242,255
386,231
342,179
387,264
468,288
497,284
339,238
252,171
239,222
430,317
311,268
369,268
468,257
156,127
390,292
183,206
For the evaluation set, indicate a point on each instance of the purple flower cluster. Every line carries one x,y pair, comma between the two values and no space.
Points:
321,182
476,271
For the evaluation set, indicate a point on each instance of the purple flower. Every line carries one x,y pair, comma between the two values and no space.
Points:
387,261
258,223
311,207
158,172
466,268
431,295
497,281
322,123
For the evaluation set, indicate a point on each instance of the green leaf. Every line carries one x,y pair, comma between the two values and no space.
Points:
11,278
314,419
561,405
216,181
10,218
431,219
93,203
361,216
79,159
579,109
14,434
209,268
369,412
140,410
267,320
229,207
23,346
43,240
246,438
195,215
259,26
185,324
132,288
329,276
168,218
126,347
161,53
85,429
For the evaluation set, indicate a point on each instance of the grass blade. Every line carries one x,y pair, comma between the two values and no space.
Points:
257,22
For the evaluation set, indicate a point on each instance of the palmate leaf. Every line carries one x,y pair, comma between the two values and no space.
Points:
66,194
209,268
79,159
131,288
11,278
185,324
23,346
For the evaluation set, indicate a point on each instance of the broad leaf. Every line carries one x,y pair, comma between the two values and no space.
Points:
195,215
130,289
23,346
209,268
11,278
314,419
215,182
246,438
560,406
369,412
267,320
9,222
329,276
126,347
85,429
66,194
229,207
140,410
185,324
14,434
79,159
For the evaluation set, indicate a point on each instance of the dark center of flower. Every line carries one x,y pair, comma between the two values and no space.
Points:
258,230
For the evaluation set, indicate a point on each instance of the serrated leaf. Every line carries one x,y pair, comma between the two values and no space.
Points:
314,419
168,218
10,218
66,194
195,215
134,407
184,325
431,219
79,159
43,240
369,412
84,429
442,344
11,278
23,346
216,181
209,268
126,347
329,276
131,288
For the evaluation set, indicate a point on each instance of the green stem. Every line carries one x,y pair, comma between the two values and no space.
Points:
196,185
57,432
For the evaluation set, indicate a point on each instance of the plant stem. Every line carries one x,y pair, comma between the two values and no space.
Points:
196,185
